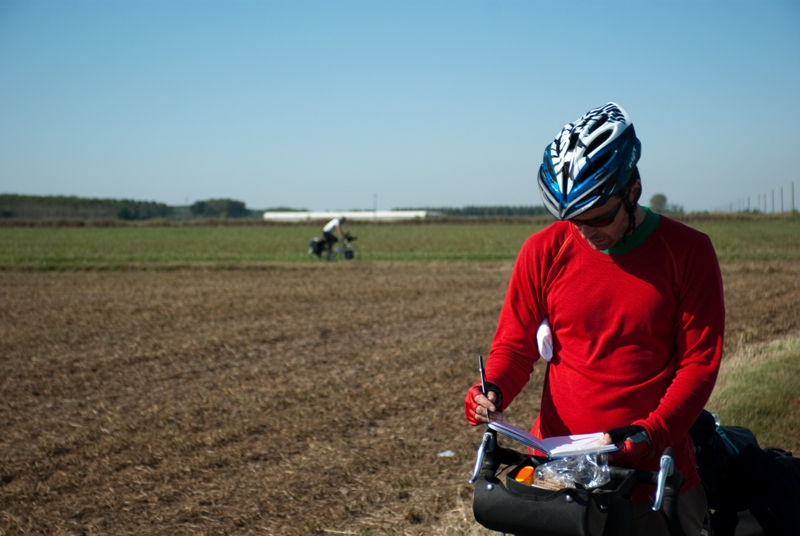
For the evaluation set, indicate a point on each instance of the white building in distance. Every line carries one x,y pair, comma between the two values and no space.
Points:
351,215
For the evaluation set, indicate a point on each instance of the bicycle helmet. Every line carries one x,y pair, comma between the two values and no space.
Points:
589,162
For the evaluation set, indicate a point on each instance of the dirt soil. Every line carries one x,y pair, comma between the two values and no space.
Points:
280,400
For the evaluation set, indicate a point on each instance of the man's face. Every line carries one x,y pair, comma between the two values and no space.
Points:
606,236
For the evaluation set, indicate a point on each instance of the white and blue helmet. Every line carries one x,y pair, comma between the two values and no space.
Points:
590,161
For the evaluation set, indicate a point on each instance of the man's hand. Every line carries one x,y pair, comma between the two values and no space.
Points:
481,408
633,443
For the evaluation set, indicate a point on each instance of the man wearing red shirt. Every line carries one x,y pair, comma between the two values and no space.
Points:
636,307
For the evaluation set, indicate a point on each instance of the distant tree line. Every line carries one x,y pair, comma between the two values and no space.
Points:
71,207
34,207
486,211
220,208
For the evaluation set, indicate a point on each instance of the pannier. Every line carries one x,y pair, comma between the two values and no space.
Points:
739,475
316,246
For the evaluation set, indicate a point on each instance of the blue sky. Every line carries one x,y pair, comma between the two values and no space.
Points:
327,104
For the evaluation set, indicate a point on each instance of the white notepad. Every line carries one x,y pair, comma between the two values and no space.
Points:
555,447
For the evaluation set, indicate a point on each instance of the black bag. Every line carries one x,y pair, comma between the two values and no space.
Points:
317,246
524,510
766,482
738,475
715,446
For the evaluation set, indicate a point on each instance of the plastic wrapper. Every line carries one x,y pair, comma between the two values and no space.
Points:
588,471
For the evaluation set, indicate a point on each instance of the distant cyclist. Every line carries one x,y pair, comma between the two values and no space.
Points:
327,231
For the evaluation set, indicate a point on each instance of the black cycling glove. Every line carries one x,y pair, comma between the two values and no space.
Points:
632,432
633,443
492,388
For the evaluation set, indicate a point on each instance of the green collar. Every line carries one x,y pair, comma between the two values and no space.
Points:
641,233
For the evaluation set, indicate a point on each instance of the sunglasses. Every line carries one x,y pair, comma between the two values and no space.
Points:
600,221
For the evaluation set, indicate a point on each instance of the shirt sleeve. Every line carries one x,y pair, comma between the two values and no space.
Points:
699,330
514,348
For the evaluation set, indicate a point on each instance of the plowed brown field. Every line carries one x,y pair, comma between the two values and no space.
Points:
275,400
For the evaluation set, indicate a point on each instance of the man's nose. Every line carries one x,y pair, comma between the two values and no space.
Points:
586,230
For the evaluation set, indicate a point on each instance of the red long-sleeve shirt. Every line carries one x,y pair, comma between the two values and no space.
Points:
637,337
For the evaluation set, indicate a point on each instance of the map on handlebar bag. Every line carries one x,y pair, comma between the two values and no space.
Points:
555,447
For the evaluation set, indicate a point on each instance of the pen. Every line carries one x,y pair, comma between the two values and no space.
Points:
483,375
483,381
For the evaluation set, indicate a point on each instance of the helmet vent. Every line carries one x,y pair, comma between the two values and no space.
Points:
573,139
597,124
598,141
565,177
598,164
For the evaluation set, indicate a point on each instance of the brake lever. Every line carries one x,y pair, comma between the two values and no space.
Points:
487,445
667,467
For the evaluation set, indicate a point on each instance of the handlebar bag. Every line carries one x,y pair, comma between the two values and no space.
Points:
523,510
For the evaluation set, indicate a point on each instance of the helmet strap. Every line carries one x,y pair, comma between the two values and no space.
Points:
630,206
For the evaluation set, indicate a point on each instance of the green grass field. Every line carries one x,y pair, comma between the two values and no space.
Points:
754,240
759,388
68,248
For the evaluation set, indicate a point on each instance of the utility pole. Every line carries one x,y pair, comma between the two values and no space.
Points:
748,203
758,203
781,199
792,196
773,201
